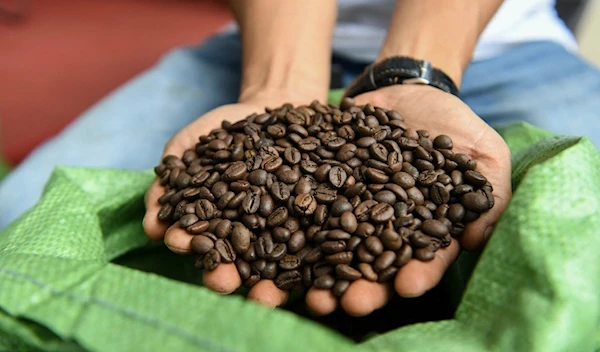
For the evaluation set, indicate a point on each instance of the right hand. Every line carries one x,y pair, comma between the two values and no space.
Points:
225,278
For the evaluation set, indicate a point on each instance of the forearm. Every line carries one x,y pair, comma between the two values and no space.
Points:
286,47
443,32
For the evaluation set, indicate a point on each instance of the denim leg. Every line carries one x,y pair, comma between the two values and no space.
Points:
129,128
540,83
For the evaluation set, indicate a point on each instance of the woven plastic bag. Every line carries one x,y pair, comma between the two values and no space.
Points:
77,273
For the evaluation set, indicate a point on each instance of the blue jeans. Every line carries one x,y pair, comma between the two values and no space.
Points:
539,83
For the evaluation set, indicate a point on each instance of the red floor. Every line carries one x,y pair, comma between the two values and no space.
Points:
67,54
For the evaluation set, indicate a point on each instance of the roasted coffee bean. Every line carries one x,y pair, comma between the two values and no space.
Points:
434,228
322,268
212,259
364,230
442,142
279,250
204,209
223,246
337,176
314,255
223,228
277,217
348,222
456,212
166,212
375,175
441,211
332,247
416,195
387,274
386,196
403,179
475,178
289,262
288,279
167,196
373,245
384,260
427,178
325,194
339,258
338,234
340,206
269,272
475,201
202,244
281,234
424,254
324,282
289,176
423,213
439,194
252,280
340,287
363,254
367,271
243,268
224,200
296,242
363,210
235,171
305,204
219,189
198,227
352,243
419,239
381,212
279,191
346,272
240,238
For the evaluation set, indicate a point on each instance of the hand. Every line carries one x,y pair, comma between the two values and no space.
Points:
225,278
428,108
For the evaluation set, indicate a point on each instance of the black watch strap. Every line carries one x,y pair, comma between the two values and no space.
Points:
400,70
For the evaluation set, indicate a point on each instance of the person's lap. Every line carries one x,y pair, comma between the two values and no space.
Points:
539,83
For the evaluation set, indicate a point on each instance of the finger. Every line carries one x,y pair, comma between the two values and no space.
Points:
320,301
265,292
477,232
154,228
178,240
363,297
417,277
224,279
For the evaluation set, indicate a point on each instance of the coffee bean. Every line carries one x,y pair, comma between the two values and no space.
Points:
348,222
373,245
243,268
442,142
403,179
279,191
279,250
340,206
305,204
224,200
416,195
289,262
166,212
198,227
475,178
289,176
441,211
384,260
391,239
338,234
325,194
251,202
367,271
387,274
278,217
322,268
475,201
314,255
332,247
364,230
223,246
252,280
204,209
235,171
324,282
419,239
288,279
339,258
223,228
382,212
352,243
340,287
346,272
167,196
424,254
337,176
439,194
212,259
386,196
201,244
363,254
240,238
281,234
375,175
434,228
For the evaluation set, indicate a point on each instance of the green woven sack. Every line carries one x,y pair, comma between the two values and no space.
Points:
76,273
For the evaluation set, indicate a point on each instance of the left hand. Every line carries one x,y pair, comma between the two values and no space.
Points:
428,108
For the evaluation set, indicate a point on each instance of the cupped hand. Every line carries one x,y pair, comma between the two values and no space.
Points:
428,108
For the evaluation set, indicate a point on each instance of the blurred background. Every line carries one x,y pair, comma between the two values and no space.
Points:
58,57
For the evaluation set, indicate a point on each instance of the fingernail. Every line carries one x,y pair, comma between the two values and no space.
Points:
488,232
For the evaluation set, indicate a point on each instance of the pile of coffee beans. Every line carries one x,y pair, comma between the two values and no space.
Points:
320,195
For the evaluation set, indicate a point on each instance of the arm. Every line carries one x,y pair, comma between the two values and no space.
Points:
286,48
443,32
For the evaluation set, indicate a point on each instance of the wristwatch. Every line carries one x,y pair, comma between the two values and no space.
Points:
400,70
